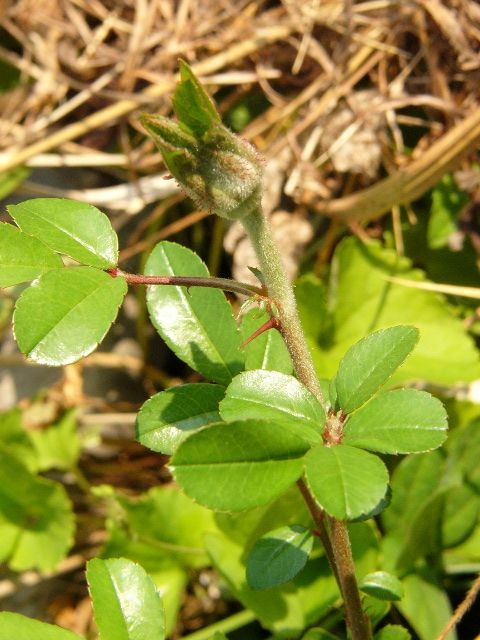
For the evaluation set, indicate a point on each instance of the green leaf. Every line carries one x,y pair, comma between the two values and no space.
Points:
266,351
382,585
163,529
72,311
460,515
14,625
447,204
23,258
192,104
240,465
393,632
170,416
319,634
36,519
14,439
413,519
369,363
196,323
276,397
287,609
413,482
399,421
57,447
278,556
363,300
125,601
76,229
345,481
425,606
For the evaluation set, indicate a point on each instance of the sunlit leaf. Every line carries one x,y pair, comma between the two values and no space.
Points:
196,323
125,601
22,257
170,416
345,481
76,229
66,313
239,465
369,363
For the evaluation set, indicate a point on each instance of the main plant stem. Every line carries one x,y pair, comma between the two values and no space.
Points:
336,540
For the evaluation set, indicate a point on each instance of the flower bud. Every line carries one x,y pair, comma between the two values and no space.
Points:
219,171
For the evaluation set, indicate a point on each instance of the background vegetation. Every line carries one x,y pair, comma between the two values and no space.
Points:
367,117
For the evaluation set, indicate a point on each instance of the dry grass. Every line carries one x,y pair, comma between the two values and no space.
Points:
342,79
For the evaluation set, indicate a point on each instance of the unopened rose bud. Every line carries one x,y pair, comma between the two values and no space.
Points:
218,171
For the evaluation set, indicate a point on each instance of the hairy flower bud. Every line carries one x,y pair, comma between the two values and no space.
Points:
219,171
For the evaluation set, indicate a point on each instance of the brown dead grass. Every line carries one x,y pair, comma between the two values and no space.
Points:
342,78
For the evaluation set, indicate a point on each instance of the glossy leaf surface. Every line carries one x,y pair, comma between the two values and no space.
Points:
14,625
76,229
125,601
196,323
278,556
240,465
345,481
73,310
23,258
170,416
369,363
382,585
277,397
399,421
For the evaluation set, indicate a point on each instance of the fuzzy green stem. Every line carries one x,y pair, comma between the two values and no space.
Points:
281,292
337,543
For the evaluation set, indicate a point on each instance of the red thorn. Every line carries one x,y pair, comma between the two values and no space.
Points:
113,272
271,323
